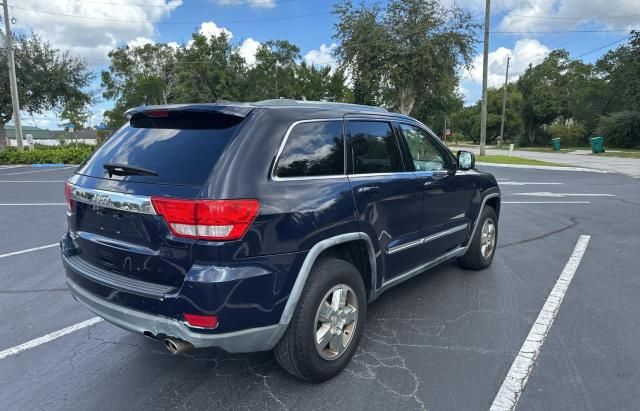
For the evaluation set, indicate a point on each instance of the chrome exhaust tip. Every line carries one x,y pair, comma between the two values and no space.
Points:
176,346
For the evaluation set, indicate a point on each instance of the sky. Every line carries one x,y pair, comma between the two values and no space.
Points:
525,30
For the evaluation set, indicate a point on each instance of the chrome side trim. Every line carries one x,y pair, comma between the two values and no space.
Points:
274,177
403,247
113,200
310,259
393,173
456,252
426,239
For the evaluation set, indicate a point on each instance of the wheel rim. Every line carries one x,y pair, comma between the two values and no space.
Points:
487,238
336,321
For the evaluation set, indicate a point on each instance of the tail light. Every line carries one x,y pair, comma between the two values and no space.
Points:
207,219
68,187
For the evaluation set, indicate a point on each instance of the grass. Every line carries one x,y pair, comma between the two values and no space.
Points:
615,152
622,153
515,160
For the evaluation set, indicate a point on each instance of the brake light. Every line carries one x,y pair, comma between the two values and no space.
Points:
68,187
207,219
157,113
202,321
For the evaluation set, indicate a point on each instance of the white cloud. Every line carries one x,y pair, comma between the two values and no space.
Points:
525,52
211,29
48,120
248,50
91,30
321,57
546,15
252,3
139,42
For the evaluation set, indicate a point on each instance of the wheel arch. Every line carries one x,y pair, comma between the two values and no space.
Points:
343,246
493,199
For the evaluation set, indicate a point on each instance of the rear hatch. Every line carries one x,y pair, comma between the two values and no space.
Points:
160,153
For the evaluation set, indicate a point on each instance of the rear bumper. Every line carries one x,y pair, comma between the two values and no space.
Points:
250,340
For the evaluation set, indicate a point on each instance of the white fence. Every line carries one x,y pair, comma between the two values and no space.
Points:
55,142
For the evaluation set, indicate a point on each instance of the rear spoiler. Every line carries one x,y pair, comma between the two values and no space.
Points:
233,109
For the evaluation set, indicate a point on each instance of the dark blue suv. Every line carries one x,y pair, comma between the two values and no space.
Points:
268,225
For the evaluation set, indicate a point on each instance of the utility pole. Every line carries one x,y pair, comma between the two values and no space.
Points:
504,101
485,68
12,73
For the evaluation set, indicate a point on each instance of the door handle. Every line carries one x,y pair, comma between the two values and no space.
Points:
368,189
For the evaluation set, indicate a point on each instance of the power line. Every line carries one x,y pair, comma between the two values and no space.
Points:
571,18
172,22
560,31
602,47
276,19
603,15
209,5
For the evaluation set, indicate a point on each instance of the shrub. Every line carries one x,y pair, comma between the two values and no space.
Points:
571,134
69,154
620,129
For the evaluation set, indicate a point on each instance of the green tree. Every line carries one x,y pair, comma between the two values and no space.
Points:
409,52
210,68
274,74
543,88
48,79
77,112
137,76
467,120
621,129
620,69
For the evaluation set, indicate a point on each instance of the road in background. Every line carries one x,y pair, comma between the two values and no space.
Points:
443,340
628,166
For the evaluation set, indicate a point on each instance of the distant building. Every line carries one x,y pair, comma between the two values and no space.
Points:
37,133
51,137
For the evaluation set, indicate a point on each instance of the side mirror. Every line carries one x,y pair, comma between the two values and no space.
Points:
466,160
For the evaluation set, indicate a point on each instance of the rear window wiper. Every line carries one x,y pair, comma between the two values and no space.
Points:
120,169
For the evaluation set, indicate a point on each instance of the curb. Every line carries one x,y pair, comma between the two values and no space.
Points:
50,165
553,168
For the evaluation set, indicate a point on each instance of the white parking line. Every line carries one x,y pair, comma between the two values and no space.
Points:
513,385
38,171
32,181
545,202
28,250
560,195
49,337
32,204
528,183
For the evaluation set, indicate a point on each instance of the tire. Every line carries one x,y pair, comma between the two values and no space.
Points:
474,259
297,351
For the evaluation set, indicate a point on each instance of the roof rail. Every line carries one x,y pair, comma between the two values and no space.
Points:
318,104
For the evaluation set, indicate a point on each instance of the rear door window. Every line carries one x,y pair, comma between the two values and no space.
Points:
181,148
312,149
374,148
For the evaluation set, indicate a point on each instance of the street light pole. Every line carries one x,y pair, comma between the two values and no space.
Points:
485,68
504,101
12,74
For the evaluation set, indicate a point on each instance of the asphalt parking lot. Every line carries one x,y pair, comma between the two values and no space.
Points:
444,340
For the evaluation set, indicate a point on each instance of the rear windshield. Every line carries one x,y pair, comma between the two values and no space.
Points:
180,149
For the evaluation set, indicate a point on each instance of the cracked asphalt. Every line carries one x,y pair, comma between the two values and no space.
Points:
443,340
